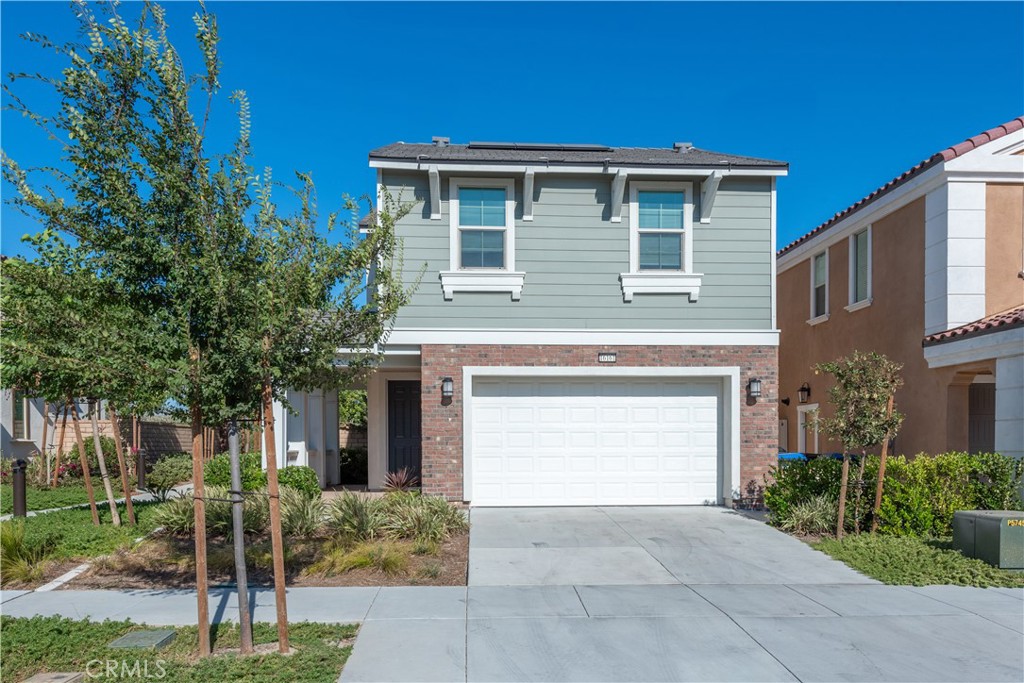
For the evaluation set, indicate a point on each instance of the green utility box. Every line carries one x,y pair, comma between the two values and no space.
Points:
994,536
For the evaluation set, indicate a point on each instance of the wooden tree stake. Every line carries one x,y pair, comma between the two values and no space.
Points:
97,444
44,473
276,540
842,495
199,491
129,507
881,470
60,444
85,463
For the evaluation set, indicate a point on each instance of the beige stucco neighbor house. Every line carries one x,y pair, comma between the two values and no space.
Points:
928,270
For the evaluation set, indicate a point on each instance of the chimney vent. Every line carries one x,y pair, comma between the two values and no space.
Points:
440,141
682,146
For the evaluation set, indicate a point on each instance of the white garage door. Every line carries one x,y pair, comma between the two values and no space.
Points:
585,441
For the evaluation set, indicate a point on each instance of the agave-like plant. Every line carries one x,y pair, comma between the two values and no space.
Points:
401,480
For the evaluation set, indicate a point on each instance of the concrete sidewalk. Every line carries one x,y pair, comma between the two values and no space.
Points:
674,632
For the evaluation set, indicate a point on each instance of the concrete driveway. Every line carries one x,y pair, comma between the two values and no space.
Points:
639,546
676,594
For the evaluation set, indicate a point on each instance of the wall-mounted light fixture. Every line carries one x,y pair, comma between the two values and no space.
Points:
447,388
607,357
754,388
804,392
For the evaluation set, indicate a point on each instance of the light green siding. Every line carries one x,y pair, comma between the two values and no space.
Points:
572,255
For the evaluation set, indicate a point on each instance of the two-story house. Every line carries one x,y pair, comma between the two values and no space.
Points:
927,270
592,325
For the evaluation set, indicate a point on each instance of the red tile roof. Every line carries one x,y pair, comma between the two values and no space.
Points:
993,323
937,158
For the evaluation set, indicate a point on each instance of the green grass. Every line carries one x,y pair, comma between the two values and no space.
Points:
62,496
39,644
71,534
906,561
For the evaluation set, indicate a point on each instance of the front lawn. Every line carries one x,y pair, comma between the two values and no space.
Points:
29,646
71,533
915,562
62,496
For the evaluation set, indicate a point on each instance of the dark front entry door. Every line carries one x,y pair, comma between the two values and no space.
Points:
404,435
981,418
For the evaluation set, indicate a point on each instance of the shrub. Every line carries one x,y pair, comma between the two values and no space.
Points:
922,494
817,515
20,560
177,516
301,515
389,557
167,473
919,495
217,471
425,518
355,518
353,465
300,478
109,453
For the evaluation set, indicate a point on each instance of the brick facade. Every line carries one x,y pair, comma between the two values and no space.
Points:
442,424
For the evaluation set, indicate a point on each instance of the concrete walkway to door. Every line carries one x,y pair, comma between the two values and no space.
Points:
676,594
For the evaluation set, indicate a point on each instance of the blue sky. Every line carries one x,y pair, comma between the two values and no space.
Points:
849,94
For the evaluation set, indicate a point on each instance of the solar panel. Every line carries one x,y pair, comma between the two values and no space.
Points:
537,146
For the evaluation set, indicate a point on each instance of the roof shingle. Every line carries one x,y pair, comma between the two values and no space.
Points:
568,154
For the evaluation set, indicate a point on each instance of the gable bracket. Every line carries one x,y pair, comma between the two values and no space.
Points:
618,188
435,193
707,196
528,195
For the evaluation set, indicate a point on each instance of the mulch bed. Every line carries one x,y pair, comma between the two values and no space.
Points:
168,562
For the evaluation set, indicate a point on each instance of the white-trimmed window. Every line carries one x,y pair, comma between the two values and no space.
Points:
660,240
860,269
819,287
482,237
22,416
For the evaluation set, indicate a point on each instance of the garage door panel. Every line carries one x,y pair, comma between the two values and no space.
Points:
593,442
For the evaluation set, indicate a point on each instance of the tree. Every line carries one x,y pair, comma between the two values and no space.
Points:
310,298
863,416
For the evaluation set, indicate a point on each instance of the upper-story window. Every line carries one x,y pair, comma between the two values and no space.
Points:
860,269
819,287
482,237
482,226
660,240
661,229
22,422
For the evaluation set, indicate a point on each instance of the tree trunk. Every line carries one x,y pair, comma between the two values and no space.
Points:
199,492
60,444
241,576
860,490
129,507
44,473
277,543
842,495
881,471
115,516
85,463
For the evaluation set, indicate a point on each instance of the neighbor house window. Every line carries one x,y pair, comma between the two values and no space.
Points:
860,266
819,285
482,224
22,422
661,229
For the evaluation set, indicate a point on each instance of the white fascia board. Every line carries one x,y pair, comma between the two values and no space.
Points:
575,170
862,217
1004,344
589,337
997,155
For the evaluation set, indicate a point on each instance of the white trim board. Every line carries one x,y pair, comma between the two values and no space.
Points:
589,337
731,396
1001,344
611,170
